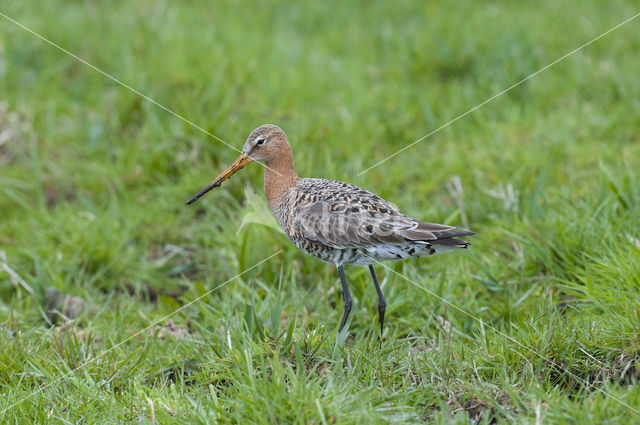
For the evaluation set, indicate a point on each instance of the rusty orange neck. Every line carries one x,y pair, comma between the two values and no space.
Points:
279,176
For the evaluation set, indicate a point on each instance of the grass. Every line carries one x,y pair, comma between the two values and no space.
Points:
94,179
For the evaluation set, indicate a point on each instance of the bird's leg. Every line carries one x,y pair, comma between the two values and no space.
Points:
347,299
382,304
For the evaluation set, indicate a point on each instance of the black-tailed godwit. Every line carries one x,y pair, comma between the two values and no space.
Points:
334,221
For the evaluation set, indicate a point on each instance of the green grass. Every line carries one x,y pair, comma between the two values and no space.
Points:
93,181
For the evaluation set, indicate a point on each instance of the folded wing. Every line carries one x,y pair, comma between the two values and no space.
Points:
341,215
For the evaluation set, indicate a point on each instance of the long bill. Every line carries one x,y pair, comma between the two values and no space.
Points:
239,163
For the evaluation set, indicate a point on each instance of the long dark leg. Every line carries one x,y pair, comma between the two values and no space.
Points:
382,304
347,298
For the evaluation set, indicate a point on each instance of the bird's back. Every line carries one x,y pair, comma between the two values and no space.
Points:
342,223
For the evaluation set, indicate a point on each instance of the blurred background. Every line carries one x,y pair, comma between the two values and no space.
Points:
93,181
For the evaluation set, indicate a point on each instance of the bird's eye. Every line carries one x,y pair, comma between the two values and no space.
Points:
260,142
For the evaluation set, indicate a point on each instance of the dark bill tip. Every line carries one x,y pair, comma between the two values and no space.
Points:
202,192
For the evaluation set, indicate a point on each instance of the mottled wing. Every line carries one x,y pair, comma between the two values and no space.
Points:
341,215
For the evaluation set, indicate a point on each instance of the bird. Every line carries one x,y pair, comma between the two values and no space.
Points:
337,222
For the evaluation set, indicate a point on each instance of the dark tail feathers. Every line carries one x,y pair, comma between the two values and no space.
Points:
447,238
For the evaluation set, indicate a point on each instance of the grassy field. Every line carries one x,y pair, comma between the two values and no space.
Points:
541,322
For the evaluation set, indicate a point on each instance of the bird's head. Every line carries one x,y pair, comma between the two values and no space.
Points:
263,144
